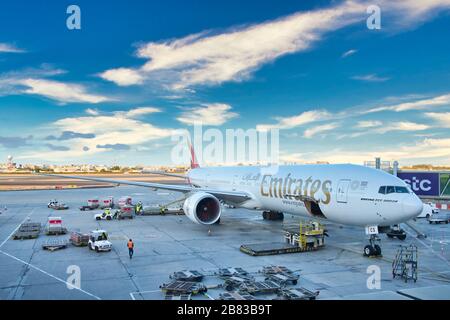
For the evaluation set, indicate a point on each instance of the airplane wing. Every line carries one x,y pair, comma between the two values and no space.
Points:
162,173
227,196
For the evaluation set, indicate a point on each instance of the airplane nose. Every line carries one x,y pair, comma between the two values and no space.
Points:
412,206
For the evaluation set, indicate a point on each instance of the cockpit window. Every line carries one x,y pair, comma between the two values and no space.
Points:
401,190
392,189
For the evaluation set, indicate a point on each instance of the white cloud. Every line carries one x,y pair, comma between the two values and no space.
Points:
441,118
427,150
141,111
349,53
213,114
377,127
296,121
401,126
421,104
368,124
92,112
60,91
123,76
311,132
110,131
370,78
233,55
9,48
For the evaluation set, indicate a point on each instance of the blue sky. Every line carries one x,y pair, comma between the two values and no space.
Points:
113,91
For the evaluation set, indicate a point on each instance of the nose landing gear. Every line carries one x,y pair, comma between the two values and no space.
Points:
373,249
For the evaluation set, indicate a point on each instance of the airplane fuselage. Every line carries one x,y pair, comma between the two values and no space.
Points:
347,194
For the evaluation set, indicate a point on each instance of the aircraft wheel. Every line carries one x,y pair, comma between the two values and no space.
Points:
264,214
368,251
377,250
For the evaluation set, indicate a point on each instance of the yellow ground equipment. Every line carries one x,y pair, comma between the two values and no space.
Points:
309,236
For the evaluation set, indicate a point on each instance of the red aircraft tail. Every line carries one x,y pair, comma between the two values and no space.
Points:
194,162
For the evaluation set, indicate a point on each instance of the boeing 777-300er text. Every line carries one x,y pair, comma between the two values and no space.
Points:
342,193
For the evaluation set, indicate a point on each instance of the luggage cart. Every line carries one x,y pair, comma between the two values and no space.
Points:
183,287
259,287
283,279
53,245
297,294
187,275
228,272
27,230
276,269
177,297
79,239
233,296
235,282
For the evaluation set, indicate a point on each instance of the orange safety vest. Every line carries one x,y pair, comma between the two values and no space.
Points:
130,245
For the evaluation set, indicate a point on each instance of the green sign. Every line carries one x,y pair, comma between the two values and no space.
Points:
445,184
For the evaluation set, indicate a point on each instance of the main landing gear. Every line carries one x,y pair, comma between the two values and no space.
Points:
373,249
273,215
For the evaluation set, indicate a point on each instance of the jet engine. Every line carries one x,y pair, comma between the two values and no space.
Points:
202,208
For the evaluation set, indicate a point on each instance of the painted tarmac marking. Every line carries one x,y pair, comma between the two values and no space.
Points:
429,248
34,267
14,231
141,292
48,274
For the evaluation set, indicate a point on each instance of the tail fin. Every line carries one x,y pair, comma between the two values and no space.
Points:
194,162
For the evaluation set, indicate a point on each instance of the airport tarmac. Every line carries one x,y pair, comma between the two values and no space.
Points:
165,244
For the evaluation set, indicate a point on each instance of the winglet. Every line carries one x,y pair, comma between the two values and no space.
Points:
194,162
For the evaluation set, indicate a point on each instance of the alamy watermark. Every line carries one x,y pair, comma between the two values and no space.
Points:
373,22
74,278
374,278
231,146
73,21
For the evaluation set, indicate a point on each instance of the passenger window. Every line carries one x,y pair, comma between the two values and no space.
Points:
390,189
382,190
401,190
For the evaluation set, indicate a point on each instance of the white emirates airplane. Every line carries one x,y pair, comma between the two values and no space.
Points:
343,193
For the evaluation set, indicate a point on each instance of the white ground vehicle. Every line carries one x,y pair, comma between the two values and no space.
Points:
427,211
105,215
98,241
433,207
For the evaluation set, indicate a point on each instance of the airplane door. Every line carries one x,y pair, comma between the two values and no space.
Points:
342,191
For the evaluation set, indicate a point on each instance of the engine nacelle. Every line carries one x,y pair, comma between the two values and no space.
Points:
202,208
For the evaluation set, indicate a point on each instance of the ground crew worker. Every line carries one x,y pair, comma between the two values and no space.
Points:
106,212
139,208
130,246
